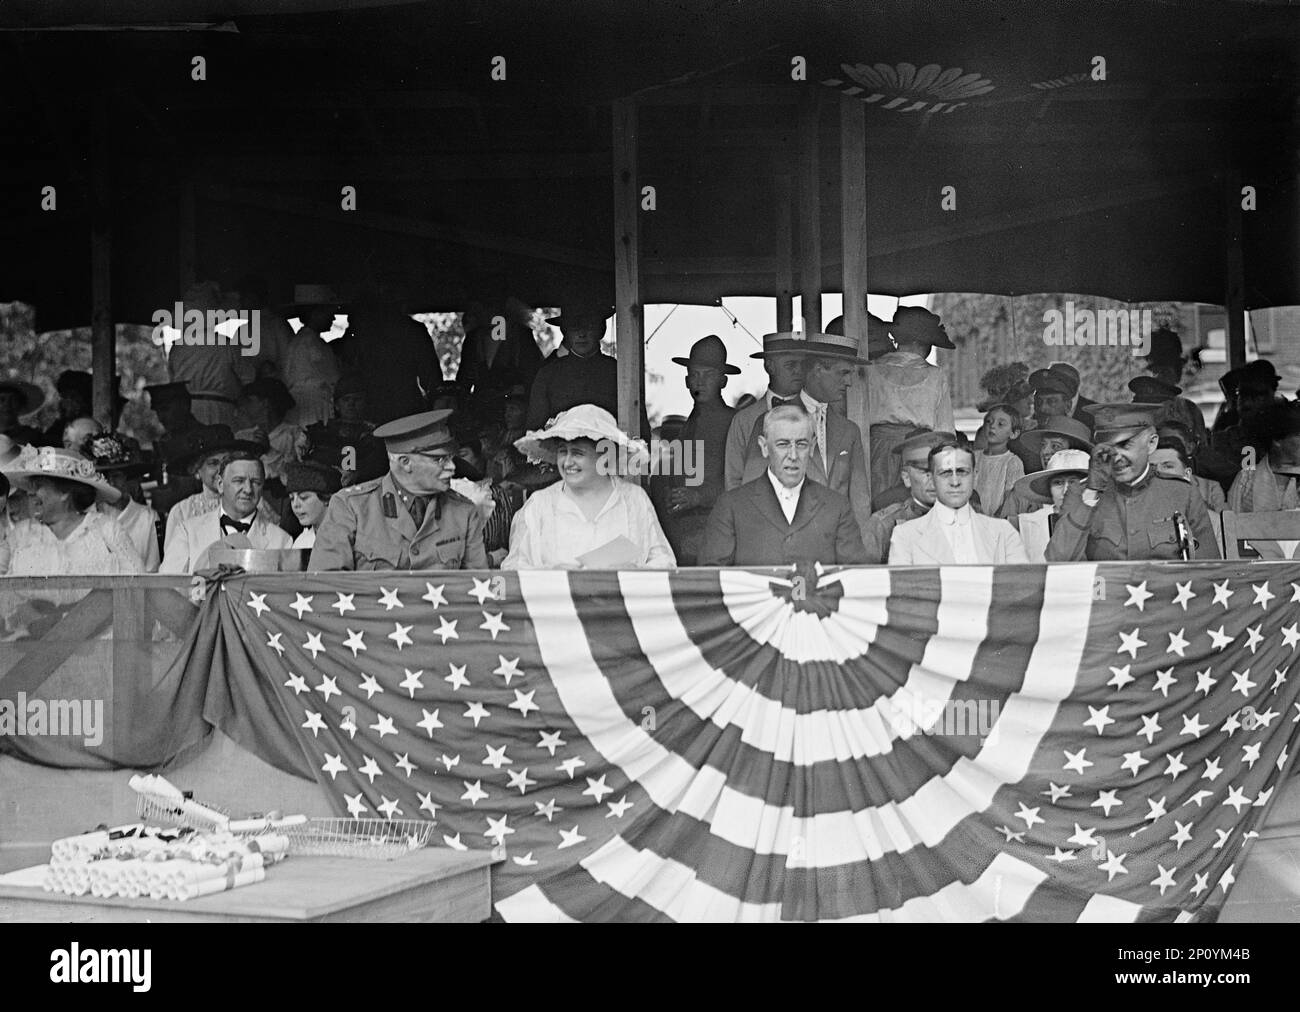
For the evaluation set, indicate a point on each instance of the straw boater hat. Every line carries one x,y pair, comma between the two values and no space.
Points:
784,343
912,323
1062,462
32,395
878,339
711,353
1062,425
56,462
586,421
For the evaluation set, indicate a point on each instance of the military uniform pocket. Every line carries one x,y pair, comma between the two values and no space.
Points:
1162,539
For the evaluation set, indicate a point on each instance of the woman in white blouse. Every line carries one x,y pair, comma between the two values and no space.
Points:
591,518
66,536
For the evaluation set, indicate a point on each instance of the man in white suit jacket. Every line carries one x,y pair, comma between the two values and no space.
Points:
952,533
236,522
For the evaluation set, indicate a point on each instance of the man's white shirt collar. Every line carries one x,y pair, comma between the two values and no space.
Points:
787,498
950,517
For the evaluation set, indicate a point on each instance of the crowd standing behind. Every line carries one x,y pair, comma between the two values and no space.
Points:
363,454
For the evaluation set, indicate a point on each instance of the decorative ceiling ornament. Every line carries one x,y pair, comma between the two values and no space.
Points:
904,88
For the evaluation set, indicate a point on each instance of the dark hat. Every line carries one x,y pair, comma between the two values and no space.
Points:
1258,375
1115,421
1048,381
417,433
349,383
271,390
114,452
184,451
1149,390
1062,425
32,395
784,343
77,382
160,393
1063,462
921,438
1070,373
310,296
311,477
1166,346
582,313
711,353
878,340
1016,392
912,323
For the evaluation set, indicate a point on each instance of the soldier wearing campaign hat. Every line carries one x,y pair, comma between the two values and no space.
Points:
409,518
1126,510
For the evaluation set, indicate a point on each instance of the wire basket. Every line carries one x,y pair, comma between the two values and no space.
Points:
185,814
375,839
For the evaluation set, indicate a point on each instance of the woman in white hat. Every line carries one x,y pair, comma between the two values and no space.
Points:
66,536
591,518
1066,467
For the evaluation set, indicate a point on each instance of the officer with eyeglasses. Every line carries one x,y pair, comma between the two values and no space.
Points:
410,518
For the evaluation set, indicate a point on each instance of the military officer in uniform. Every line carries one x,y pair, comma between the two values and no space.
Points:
409,518
1126,510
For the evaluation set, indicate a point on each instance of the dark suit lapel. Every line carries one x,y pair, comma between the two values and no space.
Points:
810,501
766,502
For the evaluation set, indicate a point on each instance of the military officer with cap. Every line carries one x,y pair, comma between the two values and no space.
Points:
1126,510
409,518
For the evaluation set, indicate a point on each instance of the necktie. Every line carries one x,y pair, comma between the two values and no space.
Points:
419,507
821,437
229,524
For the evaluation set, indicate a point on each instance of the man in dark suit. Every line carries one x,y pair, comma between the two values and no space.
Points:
782,517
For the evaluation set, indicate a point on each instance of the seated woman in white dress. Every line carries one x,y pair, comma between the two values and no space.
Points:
66,535
591,518
309,486
1064,469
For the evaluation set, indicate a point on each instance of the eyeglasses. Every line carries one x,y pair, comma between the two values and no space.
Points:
441,459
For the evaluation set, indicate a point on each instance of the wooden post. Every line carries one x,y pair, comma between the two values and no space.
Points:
186,247
784,256
630,321
103,350
810,225
1234,300
853,247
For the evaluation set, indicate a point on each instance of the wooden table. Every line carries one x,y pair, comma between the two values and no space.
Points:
429,885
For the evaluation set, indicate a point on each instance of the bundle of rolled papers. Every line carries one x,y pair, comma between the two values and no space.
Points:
136,861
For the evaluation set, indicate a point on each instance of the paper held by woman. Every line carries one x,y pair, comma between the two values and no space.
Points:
617,554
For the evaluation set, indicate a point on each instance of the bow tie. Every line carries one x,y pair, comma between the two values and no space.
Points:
777,402
229,523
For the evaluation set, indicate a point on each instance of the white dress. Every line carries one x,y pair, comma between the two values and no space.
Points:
551,531
98,546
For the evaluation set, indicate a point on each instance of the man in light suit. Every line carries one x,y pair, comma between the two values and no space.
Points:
783,517
236,523
837,459
782,357
953,533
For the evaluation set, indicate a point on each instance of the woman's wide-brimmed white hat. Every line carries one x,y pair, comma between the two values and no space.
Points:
1062,462
586,421
56,462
